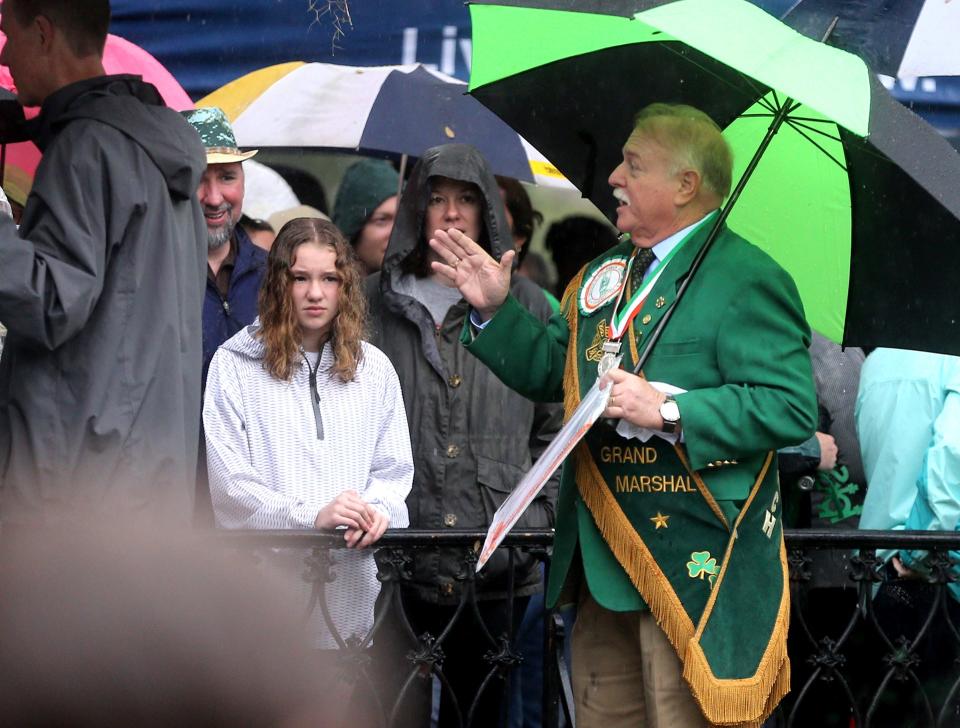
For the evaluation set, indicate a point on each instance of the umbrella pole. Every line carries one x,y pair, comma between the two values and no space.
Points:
782,113
403,171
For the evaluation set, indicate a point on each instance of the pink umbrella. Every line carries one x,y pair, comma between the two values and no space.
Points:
119,56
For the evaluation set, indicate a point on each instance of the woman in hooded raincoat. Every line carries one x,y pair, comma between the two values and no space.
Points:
472,437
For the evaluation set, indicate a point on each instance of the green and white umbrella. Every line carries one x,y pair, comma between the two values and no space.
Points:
853,194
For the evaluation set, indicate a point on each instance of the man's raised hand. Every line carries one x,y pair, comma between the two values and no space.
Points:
464,265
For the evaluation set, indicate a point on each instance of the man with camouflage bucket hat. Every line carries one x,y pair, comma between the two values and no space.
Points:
235,266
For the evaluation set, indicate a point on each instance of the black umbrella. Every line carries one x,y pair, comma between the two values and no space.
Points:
902,38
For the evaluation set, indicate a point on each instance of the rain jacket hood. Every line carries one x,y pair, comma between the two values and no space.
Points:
456,161
107,99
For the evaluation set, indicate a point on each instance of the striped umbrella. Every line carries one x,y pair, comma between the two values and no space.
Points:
399,110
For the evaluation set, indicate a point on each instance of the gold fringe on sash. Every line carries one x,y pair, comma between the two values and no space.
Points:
726,702
745,702
632,341
632,552
571,373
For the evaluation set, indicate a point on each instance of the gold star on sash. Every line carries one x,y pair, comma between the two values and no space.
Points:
660,521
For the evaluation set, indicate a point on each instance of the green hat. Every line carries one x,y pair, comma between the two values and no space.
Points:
217,135
365,185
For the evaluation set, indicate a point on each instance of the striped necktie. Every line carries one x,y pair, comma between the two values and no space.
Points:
641,262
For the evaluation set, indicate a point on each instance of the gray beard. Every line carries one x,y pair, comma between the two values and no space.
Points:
221,236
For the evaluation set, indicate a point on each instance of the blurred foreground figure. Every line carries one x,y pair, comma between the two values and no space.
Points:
107,628
101,288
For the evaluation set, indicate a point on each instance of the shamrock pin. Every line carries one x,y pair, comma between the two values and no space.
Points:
703,563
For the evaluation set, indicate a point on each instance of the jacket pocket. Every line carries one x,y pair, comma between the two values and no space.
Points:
497,480
681,347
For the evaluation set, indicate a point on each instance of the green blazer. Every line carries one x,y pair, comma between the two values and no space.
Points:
737,342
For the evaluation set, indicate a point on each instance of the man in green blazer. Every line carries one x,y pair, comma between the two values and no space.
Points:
671,544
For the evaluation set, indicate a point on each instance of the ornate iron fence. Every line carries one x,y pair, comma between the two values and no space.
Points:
869,647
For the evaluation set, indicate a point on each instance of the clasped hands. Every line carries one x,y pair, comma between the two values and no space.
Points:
364,523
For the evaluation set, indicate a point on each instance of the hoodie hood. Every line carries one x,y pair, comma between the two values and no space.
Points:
245,342
136,109
456,161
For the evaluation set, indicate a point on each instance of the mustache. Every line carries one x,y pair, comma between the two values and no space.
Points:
222,207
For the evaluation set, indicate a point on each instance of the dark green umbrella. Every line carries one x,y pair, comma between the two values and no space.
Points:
852,193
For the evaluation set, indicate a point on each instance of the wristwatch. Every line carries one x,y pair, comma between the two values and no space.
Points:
670,414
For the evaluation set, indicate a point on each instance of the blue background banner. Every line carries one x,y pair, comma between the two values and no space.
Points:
207,43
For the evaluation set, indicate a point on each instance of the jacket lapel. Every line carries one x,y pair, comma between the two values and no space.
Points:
664,293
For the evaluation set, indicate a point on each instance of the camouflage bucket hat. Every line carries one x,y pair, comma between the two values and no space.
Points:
217,135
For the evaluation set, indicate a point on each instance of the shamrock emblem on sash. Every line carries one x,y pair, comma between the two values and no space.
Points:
703,564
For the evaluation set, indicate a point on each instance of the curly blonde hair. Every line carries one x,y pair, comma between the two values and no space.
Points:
279,327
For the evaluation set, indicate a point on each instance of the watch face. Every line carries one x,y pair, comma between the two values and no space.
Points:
669,411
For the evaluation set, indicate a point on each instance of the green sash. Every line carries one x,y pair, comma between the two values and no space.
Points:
719,589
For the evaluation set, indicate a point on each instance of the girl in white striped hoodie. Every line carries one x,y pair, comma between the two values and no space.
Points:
305,424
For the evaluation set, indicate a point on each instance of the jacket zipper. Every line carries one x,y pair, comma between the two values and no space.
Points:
314,394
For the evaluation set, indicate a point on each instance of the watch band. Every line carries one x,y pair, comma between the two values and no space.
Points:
670,426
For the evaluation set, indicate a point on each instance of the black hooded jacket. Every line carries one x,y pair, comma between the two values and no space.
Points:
101,292
472,437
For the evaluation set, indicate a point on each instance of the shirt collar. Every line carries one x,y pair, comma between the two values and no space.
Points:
663,248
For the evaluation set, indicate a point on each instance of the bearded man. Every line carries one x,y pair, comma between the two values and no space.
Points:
235,266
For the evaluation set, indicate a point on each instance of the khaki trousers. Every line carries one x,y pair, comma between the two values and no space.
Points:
625,672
